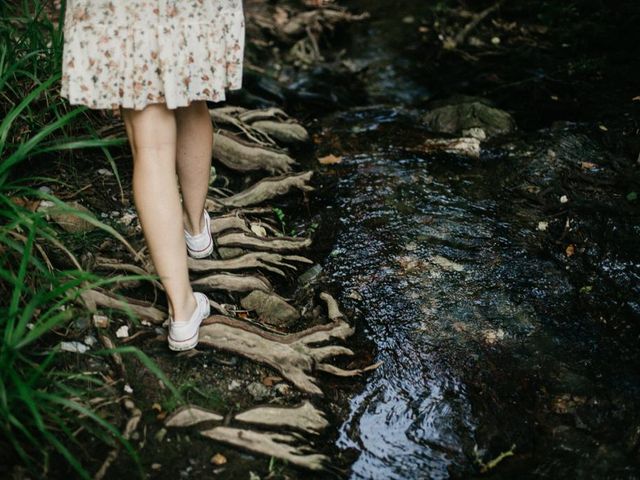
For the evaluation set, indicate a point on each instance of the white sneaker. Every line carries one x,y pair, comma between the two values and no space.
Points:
200,245
184,335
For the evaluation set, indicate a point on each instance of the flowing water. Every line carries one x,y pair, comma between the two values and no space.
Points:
487,342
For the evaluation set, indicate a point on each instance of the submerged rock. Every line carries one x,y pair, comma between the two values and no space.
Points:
471,116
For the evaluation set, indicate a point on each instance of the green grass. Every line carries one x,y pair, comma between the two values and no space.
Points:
47,417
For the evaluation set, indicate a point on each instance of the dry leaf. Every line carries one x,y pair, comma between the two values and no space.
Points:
571,249
330,159
588,165
218,459
271,380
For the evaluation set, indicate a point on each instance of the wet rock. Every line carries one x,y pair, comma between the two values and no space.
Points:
473,116
310,275
270,307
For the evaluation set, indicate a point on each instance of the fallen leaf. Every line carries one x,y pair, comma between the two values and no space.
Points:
570,250
271,380
330,159
588,165
218,459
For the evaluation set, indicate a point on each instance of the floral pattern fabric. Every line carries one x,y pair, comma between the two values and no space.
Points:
136,52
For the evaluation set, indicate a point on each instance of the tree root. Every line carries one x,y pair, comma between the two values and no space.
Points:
279,445
289,354
191,415
304,417
264,127
244,156
145,310
266,189
132,424
259,260
274,244
233,282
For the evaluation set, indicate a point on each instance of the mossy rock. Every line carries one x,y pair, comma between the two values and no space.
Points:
462,113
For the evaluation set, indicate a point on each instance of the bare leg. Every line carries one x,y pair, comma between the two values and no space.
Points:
194,150
152,136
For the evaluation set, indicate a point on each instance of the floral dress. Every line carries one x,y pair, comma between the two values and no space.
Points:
136,52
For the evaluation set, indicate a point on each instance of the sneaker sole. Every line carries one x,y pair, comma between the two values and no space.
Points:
181,345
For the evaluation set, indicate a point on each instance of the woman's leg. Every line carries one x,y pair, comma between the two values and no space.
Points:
194,150
152,136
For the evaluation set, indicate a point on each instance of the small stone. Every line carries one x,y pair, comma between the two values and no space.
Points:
156,466
75,347
564,199
128,389
122,332
258,391
160,434
90,340
218,459
355,295
495,40
105,172
234,385
282,389
100,321
542,226
127,218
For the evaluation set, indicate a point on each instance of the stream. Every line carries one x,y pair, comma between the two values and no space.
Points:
495,346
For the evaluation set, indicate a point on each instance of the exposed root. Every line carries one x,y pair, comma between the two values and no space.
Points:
304,417
274,244
292,355
243,156
272,262
190,415
145,310
233,282
132,425
266,189
278,445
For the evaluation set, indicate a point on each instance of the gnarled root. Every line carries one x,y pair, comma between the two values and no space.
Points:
243,156
260,260
266,189
289,354
233,282
279,445
274,244
304,417
145,310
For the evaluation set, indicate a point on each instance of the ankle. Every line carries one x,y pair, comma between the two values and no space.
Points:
193,225
181,312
